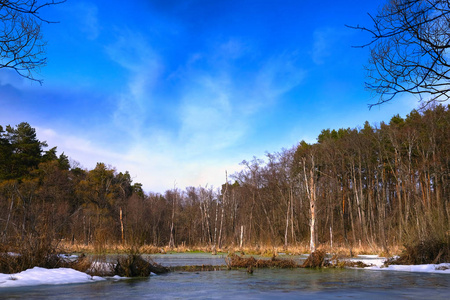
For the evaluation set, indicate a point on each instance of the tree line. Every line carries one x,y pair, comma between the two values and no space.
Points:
377,186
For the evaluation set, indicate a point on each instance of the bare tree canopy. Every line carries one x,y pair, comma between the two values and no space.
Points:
21,45
409,50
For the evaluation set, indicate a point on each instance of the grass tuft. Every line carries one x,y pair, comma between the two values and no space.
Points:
134,265
235,261
316,259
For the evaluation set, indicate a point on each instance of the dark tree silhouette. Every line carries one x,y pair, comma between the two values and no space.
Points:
409,50
22,47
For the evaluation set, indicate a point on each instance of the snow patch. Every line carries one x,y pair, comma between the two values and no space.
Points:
370,260
41,276
443,268
377,263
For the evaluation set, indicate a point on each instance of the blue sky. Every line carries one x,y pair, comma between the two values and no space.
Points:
178,92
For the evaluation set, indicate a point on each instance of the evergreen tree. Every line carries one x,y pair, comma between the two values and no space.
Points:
26,151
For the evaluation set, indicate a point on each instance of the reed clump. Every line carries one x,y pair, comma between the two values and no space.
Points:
134,265
201,268
32,252
350,264
81,263
427,251
235,261
316,259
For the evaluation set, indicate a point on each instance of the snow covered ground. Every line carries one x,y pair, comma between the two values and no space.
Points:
370,260
378,262
440,268
40,276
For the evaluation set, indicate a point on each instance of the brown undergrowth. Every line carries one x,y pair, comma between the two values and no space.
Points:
41,253
31,252
350,264
236,261
427,251
134,265
260,250
201,268
316,259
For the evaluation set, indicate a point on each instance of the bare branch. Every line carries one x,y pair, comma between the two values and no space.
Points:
22,47
409,50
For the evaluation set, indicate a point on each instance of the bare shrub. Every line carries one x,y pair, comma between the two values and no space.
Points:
201,268
351,264
316,260
235,261
32,252
427,251
134,265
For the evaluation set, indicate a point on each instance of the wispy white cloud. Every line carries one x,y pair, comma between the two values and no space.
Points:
209,121
278,76
157,166
78,148
323,42
218,111
213,113
87,13
232,49
133,52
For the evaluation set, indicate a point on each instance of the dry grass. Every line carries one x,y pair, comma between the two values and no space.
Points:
350,264
32,252
316,259
94,248
124,248
235,261
134,265
427,251
342,251
201,268
82,264
260,250
15,262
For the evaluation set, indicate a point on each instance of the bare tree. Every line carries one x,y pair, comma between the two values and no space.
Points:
22,47
409,50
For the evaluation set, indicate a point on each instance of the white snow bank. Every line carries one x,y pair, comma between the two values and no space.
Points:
40,276
378,264
429,268
370,256
370,260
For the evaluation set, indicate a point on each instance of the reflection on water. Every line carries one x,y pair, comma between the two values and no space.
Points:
189,259
268,283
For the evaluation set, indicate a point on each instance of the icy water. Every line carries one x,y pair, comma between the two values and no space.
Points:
238,284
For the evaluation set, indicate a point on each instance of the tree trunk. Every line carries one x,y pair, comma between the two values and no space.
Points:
121,225
311,190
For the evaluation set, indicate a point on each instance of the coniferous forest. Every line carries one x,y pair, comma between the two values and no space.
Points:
376,186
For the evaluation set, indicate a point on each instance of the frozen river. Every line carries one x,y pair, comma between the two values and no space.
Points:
238,284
